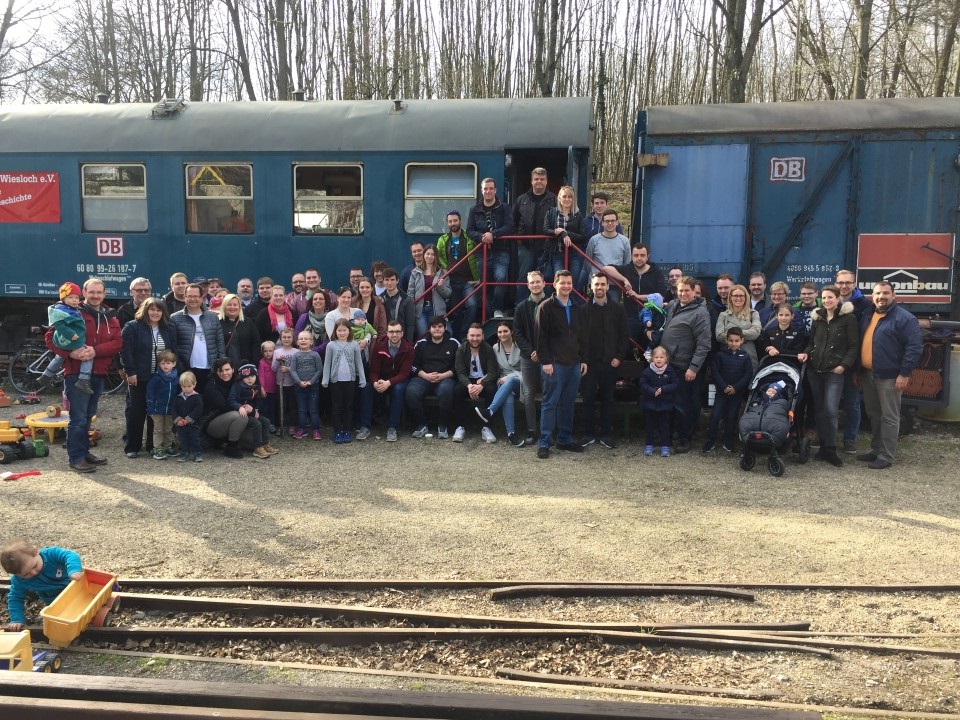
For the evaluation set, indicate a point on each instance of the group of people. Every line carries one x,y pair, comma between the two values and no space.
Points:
236,367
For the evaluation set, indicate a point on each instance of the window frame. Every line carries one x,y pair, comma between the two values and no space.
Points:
246,199
139,198
350,226
467,200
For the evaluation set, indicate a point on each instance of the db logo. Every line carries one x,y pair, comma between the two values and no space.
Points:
109,247
791,169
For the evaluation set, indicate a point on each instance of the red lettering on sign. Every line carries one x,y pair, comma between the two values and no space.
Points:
109,247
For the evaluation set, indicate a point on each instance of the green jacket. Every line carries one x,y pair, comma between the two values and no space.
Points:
443,253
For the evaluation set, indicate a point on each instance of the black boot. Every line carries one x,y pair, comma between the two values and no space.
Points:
830,455
232,449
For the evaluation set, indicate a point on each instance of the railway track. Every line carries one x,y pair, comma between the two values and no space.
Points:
303,624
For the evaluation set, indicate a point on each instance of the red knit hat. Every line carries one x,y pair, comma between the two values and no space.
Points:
70,288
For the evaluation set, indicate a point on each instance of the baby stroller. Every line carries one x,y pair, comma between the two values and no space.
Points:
766,424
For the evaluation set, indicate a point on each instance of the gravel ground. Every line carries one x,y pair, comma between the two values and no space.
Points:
427,509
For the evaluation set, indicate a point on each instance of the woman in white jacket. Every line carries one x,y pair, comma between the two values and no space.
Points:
430,277
508,386
738,314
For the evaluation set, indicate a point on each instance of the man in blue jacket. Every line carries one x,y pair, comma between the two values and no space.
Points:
890,351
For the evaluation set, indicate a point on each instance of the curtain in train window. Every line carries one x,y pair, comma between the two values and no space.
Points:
327,199
432,190
219,199
114,198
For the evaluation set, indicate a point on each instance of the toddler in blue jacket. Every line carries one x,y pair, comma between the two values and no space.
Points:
44,571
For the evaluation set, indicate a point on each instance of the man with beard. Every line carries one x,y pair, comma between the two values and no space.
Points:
102,345
452,247
890,350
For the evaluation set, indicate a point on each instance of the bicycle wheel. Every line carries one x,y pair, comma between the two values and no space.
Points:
26,367
114,380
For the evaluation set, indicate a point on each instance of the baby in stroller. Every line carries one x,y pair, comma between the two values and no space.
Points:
768,419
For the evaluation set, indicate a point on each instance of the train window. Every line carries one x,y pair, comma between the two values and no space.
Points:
220,198
434,189
327,199
114,198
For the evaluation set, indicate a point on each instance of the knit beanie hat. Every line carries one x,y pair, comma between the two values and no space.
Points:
70,288
247,370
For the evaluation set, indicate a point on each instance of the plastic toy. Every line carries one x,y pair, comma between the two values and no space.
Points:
16,653
83,601
13,446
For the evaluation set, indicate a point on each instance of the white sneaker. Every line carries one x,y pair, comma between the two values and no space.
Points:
648,355
459,434
391,434
487,435
442,433
498,314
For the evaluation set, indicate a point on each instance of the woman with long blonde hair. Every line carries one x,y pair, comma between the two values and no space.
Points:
738,314
564,225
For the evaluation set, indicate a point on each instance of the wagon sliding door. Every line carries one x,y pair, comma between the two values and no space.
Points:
697,208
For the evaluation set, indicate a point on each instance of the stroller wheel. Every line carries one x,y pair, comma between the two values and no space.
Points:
775,466
747,461
803,450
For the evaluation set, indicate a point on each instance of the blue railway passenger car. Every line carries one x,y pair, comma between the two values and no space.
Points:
249,189
800,190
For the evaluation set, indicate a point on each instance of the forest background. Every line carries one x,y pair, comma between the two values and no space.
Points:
625,54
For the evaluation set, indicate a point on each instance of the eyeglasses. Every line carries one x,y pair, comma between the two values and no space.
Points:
356,277
609,221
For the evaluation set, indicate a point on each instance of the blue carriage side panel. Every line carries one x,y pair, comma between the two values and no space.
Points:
697,207
801,200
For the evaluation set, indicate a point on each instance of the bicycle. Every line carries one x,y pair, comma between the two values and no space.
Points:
26,367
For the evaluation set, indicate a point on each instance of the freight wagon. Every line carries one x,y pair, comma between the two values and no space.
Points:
801,190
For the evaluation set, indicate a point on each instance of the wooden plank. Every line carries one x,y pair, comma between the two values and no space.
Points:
378,702
634,685
406,584
362,636
53,709
832,644
579,590
255,608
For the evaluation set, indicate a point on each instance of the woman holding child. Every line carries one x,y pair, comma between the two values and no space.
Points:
142,338
372,306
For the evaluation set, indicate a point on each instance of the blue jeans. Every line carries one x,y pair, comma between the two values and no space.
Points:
83,407
556,265
498,270
505,398
851,408
827,389
725,408
686,405
397,393
418,389
527,258
461,319
559,398
308,402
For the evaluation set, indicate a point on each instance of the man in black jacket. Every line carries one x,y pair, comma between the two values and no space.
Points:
524,335
605,324
528,216
561,348
489,220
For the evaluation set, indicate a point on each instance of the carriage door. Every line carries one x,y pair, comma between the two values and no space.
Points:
520,162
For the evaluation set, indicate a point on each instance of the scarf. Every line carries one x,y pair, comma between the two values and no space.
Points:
659,371
317,327
274,316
